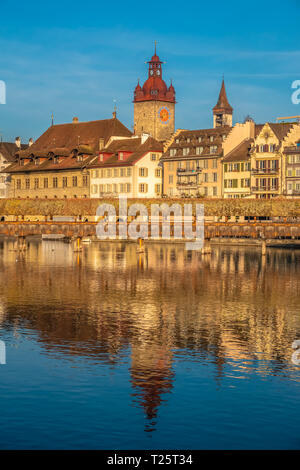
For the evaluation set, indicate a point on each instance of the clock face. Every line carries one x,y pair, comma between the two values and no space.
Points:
157,72
151,72
164,114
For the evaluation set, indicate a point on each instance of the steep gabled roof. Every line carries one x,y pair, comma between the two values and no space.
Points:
128,145
281,129
240,152
9,149
77,134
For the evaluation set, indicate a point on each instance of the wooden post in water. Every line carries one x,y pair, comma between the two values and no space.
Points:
78,246
141,247
263,247
206,249
22,243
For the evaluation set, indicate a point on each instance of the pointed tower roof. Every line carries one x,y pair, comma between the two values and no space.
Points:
223,104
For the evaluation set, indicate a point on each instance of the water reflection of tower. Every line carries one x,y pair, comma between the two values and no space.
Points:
151,378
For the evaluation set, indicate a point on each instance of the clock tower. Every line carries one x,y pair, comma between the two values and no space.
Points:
154,104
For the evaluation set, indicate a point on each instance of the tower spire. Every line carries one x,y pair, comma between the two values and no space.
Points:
222,111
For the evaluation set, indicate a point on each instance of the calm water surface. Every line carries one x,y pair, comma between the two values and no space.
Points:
110,349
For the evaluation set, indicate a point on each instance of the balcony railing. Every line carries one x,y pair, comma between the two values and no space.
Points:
185,171
188,184
265,171
264,188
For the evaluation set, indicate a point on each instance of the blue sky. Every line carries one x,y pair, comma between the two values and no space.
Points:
74,58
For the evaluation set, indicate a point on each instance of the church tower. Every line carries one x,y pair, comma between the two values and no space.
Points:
222,111
154,104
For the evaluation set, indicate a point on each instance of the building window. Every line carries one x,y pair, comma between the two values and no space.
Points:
206,177
199,150
65,182
143,172
85,180
116,172
128,187
199,139
153,157
173,152
55,183
215,163
213,149
205,191
157,173
215,190
45,183
157,188
121,155
94,188
211,138
74,180
170,179
215,178
36,183
27,183
185,151
18,184
128,171
143,188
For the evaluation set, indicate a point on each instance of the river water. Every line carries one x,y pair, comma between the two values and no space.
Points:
108,349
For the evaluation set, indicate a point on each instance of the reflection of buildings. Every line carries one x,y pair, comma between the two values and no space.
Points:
230,308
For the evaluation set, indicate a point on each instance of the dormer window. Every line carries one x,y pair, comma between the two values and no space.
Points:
80,158
186,151
188,139
199,139
101,157
121,155
211,138
177,141
37,161
55,160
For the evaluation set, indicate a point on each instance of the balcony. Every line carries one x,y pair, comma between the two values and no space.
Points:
187,185
265,171
187,172
292,149
263,189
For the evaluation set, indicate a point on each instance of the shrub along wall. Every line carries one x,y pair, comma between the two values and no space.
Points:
212,207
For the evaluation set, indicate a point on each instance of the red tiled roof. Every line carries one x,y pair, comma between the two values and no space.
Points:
240,152
67,137
8,150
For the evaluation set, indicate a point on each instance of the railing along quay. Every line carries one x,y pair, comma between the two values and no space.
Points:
249,229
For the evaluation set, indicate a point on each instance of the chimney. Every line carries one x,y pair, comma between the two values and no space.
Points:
75,120
30,142
101,143
114,114
18,142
